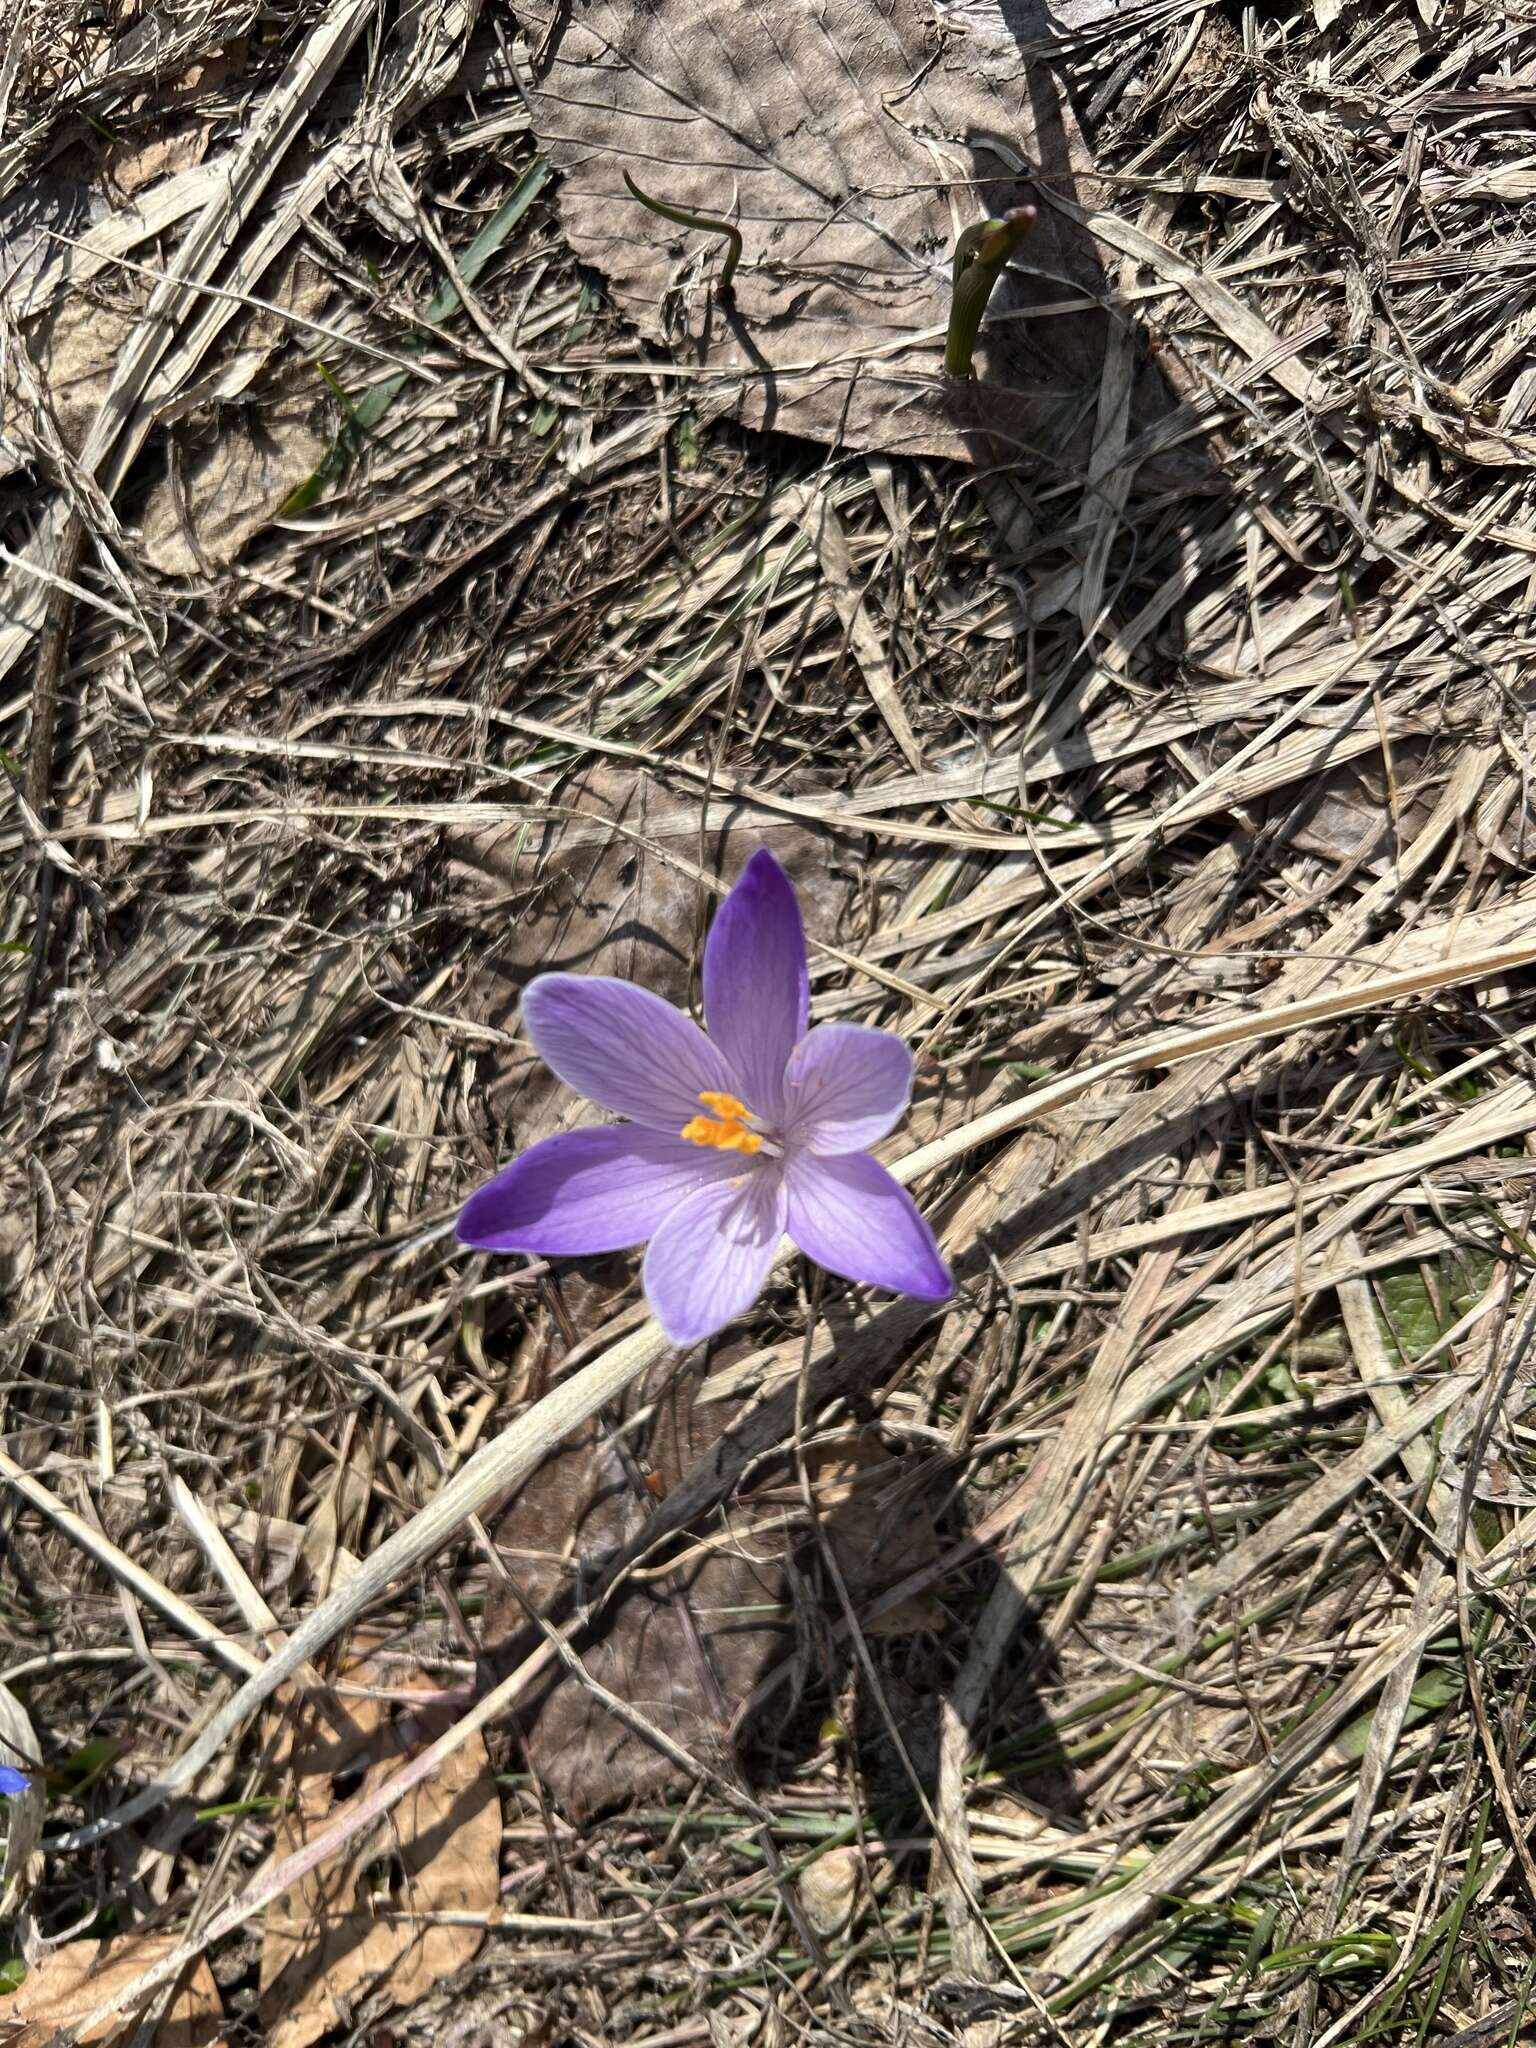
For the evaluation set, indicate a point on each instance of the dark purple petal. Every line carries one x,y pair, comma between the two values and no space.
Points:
756,989
711,1256
848,1215
595,1190
624,1048
845,1086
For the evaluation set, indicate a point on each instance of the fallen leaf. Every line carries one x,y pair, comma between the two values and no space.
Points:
131,165
684,1647
210,72
73,1980
850,146
681,1647
829,1887
360,1925
323,1558
75,348
1352,812
76,336
299,287
234,484
272,1548
879,1532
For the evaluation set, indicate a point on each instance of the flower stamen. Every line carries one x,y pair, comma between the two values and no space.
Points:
726,1129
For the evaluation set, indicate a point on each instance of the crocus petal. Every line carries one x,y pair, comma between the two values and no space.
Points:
845,1086
13,1782
756,989
624,1048
586,1191
848,1215
710,1257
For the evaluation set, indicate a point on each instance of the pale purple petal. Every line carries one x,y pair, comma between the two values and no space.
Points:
711,1256
848,1215
595,1190
624,1048
13,1782
845,1086
756,989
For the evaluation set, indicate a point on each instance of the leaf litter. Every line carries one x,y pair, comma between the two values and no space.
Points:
68,1982
407,1904
1203,1509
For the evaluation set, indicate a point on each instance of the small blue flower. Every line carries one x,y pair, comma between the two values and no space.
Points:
13,1782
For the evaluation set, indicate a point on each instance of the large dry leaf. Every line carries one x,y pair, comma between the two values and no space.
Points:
681,1650
359,1925
74,348
851,145
684,1648
879,1532
273,1550
171,143
829,1887
234,484
130,166
298,290
73,1980
245,463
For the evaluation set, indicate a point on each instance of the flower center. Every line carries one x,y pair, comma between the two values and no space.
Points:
726,1126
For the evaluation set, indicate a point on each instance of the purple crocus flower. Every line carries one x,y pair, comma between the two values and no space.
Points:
12,1781
732,1139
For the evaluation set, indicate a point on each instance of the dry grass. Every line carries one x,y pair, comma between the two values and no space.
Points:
1218,1718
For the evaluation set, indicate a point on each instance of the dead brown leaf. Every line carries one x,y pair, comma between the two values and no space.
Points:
680,1647
274,1549
880,1531
247,461
73,1980
683,1647
299,288
829,1887
851,148
131,165
234,484
213,71
360,1925
75,348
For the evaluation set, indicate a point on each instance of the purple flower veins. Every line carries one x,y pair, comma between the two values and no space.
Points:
733,1139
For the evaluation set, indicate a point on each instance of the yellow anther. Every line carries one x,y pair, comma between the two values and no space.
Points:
725,1134
726,1130
728,1106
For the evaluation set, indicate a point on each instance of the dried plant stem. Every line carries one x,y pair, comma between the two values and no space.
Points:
127,1572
